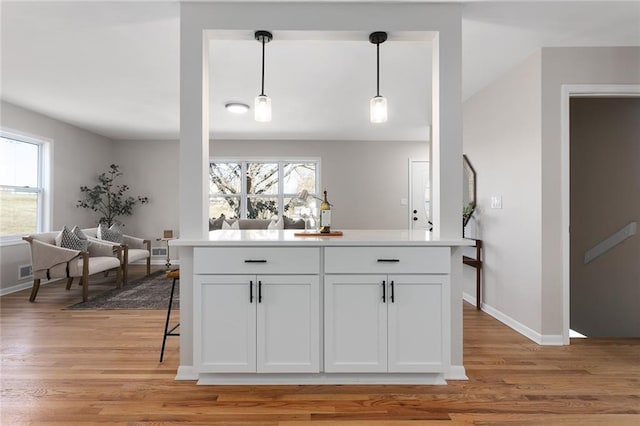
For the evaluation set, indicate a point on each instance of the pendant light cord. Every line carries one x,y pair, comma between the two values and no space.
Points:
378,69
263,42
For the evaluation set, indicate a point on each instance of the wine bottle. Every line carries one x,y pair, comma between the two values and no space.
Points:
325,215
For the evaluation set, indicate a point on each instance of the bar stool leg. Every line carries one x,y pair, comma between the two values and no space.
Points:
166,324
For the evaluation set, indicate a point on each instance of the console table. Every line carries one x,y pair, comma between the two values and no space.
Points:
476,263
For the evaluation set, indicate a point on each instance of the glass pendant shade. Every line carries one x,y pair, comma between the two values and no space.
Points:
378,109
262,109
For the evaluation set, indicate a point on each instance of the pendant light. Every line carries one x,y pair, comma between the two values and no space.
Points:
378,104
262,110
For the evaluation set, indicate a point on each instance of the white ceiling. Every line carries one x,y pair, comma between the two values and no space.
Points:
113,68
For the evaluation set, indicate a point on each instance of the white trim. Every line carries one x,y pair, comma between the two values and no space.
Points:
14,241
610,242
45,177
541,339
567,91
15,288
25,285
321,378
456,372
469,298
186,372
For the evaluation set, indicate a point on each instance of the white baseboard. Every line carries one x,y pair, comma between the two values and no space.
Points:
21,286
28,284
456,372
186,372
469,298
16,287
541,339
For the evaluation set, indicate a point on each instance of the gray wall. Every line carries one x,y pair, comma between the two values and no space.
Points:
605,196
512,134
77,156
502,141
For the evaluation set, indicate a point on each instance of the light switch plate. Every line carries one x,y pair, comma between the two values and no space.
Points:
496,201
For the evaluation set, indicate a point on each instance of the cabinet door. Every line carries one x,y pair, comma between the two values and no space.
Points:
355,324
224,324
288,324
418,323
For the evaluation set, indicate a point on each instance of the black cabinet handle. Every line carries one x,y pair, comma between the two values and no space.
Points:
259,291
393,300
255,261
384,291
250,291
415,218
389,260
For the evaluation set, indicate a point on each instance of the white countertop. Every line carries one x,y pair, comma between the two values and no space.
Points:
351,237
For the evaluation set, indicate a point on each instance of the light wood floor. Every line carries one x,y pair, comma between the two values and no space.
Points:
83,367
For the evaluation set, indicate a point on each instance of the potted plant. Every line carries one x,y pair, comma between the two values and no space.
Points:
108,198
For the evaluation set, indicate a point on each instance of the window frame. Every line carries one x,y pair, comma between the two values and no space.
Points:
281,161
43,188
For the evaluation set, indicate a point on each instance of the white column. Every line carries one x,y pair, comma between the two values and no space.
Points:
194,160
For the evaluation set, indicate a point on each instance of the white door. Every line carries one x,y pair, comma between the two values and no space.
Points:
420,195
417,323
226,324
355,324
288,324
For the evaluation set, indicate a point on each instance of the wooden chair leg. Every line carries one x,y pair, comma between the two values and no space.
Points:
149,265
125,273
119,277
85,276
69,282
106,274
34,290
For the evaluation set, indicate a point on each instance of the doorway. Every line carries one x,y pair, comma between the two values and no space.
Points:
604,208
419,195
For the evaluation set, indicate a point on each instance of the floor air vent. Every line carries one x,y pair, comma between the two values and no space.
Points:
158,251
24,272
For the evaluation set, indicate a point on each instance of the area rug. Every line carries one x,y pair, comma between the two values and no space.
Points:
150,292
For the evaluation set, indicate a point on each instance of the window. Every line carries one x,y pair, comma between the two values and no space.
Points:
22,209
262,189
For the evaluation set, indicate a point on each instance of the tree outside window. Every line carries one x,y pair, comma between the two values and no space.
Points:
261,189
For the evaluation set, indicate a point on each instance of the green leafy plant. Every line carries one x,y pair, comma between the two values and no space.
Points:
108,198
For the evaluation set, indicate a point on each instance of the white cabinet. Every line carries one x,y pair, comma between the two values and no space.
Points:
395,322
385,323
256,323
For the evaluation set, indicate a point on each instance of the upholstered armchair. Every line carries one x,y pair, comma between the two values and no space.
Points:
133,250
49,261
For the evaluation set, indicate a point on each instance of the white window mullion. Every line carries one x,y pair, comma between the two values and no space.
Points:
280,188
243,190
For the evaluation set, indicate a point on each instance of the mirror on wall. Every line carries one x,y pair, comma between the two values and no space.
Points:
468,190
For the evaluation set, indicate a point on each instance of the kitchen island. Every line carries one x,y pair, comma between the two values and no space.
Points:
269,307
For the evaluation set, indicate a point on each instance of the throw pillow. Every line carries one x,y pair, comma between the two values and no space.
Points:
113,233
290,223
216,223
78,233
67,239
276,224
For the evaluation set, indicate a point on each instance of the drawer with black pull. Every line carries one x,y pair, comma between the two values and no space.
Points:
398,260
256,260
